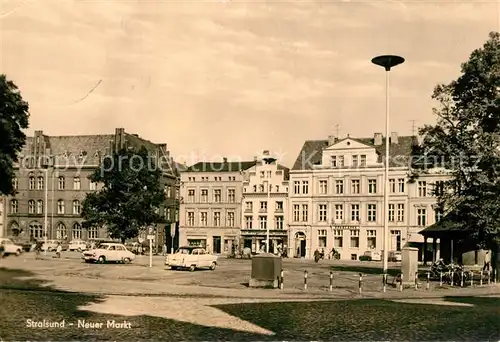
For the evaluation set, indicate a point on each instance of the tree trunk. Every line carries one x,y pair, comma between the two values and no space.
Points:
123,240
495,262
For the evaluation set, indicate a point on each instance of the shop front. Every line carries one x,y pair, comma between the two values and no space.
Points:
255,239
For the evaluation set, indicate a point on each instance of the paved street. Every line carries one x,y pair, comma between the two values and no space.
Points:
208,305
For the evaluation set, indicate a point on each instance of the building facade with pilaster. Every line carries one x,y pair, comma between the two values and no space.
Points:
336,197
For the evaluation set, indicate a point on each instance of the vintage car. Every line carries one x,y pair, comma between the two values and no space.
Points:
10,247
109,252
50,246
191,258
394,256
77,245
371,256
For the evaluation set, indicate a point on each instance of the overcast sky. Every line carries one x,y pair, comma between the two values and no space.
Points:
231,78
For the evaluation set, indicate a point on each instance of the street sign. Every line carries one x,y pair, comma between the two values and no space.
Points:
150,237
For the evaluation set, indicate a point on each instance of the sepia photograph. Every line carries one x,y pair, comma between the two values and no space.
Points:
249,170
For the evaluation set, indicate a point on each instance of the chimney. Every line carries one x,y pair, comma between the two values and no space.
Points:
224,159
377,139
332,139
394,137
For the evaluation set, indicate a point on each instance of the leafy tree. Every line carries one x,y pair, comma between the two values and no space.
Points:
130,197
466,141
14,117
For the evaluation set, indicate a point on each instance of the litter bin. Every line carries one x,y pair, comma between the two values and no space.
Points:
266,269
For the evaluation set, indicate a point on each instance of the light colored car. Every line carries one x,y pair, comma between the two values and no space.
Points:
371,256
191,258
9,247
50,245
77,245
109,252
394,256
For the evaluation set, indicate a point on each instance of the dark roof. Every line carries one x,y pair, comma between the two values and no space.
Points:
312,151
286,171
221,166
447,226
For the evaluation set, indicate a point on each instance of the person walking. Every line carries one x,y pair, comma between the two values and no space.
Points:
487,261
58,250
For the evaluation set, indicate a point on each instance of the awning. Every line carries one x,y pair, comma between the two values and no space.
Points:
446,227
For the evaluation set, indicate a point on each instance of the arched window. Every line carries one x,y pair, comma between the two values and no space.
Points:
61,233
60,206
31,183
77,231
14,228
61,183
14,206
40,183
31,207
93,234
36,230
76,183
39,207
77,207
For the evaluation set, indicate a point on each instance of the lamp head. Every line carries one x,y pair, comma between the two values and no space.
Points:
388,61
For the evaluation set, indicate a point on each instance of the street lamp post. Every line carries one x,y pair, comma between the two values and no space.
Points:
45,218
387,62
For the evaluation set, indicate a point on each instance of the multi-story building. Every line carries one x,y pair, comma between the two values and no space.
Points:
52,180
2,216
336,197
210,209
265,204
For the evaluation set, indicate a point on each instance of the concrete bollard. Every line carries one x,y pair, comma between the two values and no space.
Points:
401,283
462,279
489,277
471,278
428,284
416,280
281,279
305,280
331,281
481,278
384,282
440,279
360,284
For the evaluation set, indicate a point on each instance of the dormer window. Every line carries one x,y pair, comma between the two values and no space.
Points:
355,161
333,161
363,160
82,154
340,161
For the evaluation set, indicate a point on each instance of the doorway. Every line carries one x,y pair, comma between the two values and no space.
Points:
216,245
300,245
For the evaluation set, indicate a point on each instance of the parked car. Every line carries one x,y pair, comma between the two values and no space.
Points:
191,258
77,245
50,245
394,256
24,243
109,252
371,256
9,247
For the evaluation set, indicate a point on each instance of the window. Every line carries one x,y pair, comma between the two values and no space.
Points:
204,195
190,218
168,191
355,212
323,187
93,186
39,207
216,219
262,174
190,198
421,217
296,213
36,230
392,185
322,213
217,195
422,188
31,183
371,239
438,214
401,212
279,206
391,213
248,206
15,183
401,184
76,183
333,161
263,222
231,197
31,207
261,187
269,174
372,212
92,232
296,187
278,222
355,161
40,184
362,160
305,212
60,206
61,233
354,238
230,219
14,206
340,161
248,222
438,188
338,238
204,219
339,186
305,187
277,188
355,187
263,206
76,233
395,240
372,186
61,183
322,233
77,207
339,212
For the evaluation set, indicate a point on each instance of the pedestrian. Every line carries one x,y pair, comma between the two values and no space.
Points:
58,250
316,255
38,248
487,261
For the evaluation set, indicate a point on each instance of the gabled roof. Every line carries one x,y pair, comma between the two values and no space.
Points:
221,166
353,139
312,151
